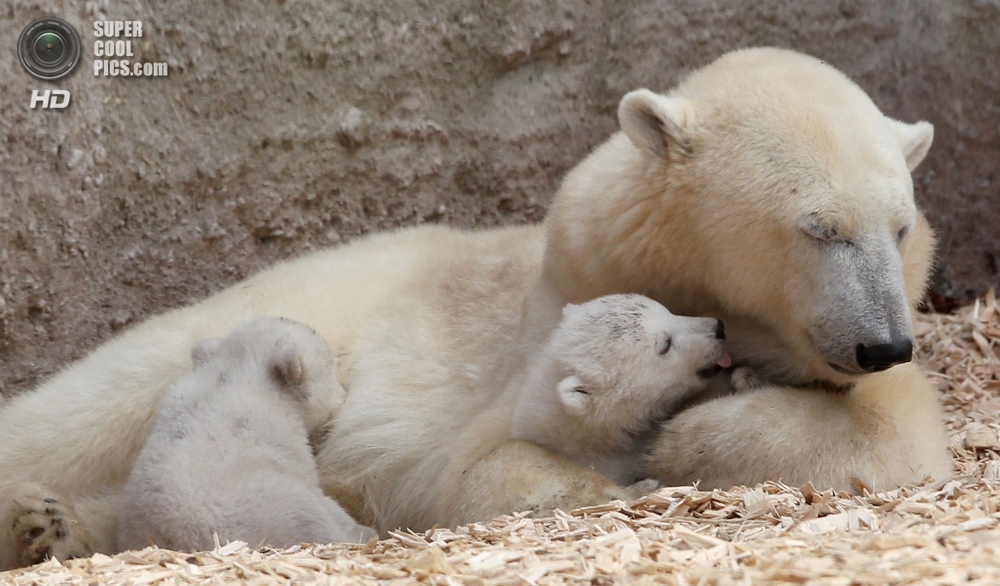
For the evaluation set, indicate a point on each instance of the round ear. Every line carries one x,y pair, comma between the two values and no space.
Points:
574,396
914,140
288,367
204,350
656,123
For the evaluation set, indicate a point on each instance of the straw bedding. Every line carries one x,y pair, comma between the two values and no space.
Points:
770,534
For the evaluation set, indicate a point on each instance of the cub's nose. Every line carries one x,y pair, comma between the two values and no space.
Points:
720,329
882,356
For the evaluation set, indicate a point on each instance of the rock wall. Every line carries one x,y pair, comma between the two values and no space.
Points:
286,126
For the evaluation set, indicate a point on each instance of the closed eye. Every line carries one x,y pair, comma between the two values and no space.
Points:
664,346
902,234
825,234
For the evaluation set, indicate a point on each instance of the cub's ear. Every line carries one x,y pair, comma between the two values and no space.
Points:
914,140
204,351
656,122
288,368
574,396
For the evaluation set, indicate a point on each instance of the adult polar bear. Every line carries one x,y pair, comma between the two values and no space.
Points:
767,190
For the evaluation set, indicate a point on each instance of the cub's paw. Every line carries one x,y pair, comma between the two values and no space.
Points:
364,534
632,492
643,487
45,526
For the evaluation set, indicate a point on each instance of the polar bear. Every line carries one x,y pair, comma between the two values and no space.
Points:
612,367
766,190
229,452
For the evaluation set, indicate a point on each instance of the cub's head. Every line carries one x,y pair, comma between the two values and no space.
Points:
768,190
289,356
625,360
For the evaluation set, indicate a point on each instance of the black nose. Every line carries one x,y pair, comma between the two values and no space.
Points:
720,329
883,356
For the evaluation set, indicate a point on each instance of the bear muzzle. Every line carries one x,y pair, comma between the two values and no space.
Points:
879,357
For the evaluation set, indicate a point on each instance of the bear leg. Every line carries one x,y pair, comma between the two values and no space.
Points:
45,525
886,432
521,476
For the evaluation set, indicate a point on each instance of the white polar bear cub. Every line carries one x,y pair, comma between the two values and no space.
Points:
612,368
229,452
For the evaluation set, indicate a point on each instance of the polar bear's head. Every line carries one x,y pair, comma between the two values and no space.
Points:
768,190
284,355
624,360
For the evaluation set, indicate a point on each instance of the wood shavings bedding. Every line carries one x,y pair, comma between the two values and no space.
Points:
944,533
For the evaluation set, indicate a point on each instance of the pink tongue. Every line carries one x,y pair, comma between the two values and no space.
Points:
724,361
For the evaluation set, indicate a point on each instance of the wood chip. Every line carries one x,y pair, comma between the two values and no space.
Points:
981,438
932,534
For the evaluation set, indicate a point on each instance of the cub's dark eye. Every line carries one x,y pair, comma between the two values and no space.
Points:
664,346
902,234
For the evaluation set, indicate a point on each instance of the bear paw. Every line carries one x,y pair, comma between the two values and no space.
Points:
44,526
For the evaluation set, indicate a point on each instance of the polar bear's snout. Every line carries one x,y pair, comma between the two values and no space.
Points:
879,357
717,358
865,323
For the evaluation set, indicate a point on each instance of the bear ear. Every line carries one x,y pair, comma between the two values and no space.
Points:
288,368
204,351
574,396
914,140
654,122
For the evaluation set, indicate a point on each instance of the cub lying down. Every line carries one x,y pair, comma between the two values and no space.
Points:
229,452
611,369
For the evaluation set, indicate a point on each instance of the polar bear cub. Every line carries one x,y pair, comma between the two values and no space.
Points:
229,452
612,368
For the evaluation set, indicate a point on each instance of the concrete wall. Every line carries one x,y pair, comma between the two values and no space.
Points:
286,126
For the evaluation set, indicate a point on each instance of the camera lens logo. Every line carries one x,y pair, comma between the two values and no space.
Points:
49,48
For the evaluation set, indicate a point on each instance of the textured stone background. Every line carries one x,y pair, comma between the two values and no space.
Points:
286,126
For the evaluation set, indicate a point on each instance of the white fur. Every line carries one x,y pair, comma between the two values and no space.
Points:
229,452
434,326
612,368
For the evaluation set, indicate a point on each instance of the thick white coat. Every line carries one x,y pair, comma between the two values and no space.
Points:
718,199
614,367
229,455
